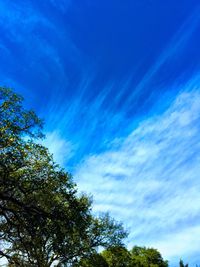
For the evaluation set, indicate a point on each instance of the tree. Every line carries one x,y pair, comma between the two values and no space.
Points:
43,220
117,256
147,257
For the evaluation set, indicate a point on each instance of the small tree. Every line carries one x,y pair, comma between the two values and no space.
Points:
147,257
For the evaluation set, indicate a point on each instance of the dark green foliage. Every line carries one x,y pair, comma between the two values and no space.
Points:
95,259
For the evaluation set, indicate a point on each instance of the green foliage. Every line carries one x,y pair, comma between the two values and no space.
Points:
95,259
147,257
42,218
117,256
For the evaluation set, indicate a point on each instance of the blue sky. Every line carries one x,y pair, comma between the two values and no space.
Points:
117,83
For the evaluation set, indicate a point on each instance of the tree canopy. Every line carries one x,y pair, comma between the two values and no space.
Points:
147,257
117,256
120,256
43,219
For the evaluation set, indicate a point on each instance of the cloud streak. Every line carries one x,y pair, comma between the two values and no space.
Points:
170,53
101,119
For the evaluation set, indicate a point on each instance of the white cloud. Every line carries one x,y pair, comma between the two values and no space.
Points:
150,179
61,149
185,243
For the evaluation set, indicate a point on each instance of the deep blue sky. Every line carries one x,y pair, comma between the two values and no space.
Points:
117,83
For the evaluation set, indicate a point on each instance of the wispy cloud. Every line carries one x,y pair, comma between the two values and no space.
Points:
61,5
106,114
150,179
61,149
29,34
20,19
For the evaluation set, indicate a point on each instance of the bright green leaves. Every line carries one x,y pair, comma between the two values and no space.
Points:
147,257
